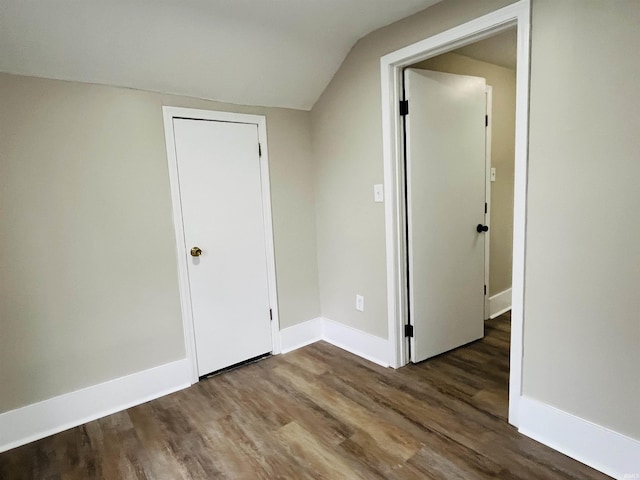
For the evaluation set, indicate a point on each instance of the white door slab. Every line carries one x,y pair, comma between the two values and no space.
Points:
445,203
222,213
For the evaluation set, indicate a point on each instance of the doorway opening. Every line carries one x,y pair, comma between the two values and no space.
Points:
515,16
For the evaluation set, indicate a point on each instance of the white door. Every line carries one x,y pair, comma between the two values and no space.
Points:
222,212
445,138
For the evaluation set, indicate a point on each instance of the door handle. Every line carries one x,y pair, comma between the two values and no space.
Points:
482,228
196,252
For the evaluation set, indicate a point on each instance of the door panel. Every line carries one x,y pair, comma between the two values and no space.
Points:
445,135
221,196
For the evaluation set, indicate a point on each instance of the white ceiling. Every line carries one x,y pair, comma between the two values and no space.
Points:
252,52
501,49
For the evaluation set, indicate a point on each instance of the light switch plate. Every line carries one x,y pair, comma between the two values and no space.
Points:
493,174
378,193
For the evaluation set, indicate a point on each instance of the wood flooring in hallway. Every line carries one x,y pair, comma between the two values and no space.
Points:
318,412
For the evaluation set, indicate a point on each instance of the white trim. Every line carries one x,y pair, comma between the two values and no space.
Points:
487,198
519,212
605,450
395,236
268,234
183,276
169,113
500,303
362,344
517,14
301,335
39,420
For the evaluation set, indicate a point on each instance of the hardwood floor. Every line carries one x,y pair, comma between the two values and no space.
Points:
318,412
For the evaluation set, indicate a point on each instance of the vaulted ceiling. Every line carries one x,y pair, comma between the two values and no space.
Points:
252,52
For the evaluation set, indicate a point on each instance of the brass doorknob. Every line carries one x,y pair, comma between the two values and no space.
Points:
196,252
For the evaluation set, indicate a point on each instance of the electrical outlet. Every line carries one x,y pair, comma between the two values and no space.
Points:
360,303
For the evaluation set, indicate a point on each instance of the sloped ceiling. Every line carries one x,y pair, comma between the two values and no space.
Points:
501,49
252,52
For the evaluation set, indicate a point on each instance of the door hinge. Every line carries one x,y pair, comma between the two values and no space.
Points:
486,120
485,289
259,150
485,207
408,330
270,314
404,107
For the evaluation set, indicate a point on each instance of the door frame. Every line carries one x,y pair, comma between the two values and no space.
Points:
391,65
169,113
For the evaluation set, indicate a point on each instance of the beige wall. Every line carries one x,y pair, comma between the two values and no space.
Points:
347,142
582,302
503,81
88,264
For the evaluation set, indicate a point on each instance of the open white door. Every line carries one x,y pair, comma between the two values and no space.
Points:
222,214
445,138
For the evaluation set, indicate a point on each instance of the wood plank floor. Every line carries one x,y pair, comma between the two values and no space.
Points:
318,412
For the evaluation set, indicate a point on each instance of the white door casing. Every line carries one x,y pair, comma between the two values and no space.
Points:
391,65
221,200
445,136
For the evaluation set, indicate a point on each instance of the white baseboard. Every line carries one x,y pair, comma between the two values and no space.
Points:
301,335
605,450
363,344
350,339
39,420
500,303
